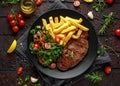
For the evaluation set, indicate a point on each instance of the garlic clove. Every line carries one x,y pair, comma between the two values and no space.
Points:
33,79
90,14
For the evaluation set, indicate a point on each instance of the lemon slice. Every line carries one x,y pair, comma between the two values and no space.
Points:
12,47
89,1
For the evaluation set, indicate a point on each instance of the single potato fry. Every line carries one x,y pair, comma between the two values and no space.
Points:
75,20
51,22
77,34
63,19
51,32
79,25
71,28
68,37
61,35
44,22
56,20
58,30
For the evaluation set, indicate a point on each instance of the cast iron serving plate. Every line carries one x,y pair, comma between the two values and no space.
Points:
88,59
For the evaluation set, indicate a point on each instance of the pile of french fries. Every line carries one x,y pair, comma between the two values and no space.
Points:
64,27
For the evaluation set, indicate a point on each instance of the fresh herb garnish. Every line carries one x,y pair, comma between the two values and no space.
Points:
13,2
94,77
99,5
72,54
108,20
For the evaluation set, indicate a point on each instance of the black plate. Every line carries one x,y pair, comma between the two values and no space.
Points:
87,61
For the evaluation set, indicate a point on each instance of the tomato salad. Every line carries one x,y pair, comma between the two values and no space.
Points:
44,46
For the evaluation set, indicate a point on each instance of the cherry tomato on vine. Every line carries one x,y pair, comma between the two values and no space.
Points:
117,32
21,23
10,16
13,22
38,2
19,16
107,69
109,1
15,29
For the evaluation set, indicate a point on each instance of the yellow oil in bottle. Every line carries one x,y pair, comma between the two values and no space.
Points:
27,7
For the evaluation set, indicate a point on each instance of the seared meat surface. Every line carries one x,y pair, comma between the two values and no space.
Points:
73,53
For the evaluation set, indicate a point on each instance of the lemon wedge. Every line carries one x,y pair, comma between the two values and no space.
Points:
89,1
12,47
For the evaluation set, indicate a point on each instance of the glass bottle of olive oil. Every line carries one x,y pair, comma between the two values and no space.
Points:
27,7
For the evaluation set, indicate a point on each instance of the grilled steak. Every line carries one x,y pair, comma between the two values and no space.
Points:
73,53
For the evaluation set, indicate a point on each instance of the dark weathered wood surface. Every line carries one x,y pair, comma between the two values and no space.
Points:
10,62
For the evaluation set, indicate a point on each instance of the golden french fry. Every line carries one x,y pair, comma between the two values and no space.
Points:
71,28
67,38
75,20
47,27
79,25
56,25
77,34
44,22
51,32
63,19
56,20
58,30
61,35
51,22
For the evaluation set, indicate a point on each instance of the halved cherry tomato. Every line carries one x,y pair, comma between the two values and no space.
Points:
57,39
19,16
107,69
13,22
38,2
21,23
47,46
117,32
10,17
53,65
76,3
15,29
19,70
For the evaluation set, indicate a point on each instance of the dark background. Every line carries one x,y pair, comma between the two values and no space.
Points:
10,62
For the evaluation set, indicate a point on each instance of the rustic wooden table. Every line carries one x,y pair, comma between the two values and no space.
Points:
10,62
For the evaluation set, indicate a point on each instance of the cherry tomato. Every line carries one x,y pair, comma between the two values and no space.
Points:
19,70
109,1
10,16
15,29
107,69
36,46
13,22
21,23
76,3
117,32
19,16
38,2
57,39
